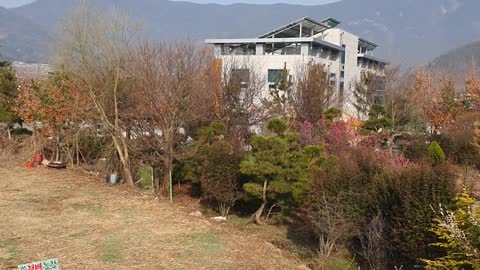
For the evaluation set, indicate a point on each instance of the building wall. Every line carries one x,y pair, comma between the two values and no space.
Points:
262,63
352,71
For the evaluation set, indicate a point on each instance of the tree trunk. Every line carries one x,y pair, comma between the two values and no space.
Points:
126,164
166,175
156,186
326,246
9,132
259,212
128,175
77,148
224,209
167,160
118,139
34,137
124,159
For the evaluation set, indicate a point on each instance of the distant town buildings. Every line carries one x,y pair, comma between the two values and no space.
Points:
344,55
31,71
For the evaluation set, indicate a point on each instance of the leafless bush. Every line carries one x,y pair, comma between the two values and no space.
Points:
313,94
330,220
373,244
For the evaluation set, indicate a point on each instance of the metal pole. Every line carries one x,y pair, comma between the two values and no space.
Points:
153,181
171,186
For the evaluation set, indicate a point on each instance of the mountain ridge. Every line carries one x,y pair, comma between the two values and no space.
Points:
409,32
458,61
20,39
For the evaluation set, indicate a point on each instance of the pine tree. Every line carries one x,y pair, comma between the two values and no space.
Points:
377,119
277,168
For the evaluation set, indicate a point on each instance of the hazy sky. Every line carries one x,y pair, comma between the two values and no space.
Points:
300,2
15,3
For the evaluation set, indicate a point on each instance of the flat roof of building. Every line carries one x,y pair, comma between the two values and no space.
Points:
275,40
292,33
373,58
331,22
306,22
367,44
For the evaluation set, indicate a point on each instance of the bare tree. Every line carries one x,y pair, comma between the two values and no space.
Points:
313,94
173,87
398,96
241,106
93,45
331,221
373,244
364,93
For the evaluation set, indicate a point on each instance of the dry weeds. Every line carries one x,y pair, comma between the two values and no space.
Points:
20,148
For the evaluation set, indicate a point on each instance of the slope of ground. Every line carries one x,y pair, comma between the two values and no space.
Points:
90,225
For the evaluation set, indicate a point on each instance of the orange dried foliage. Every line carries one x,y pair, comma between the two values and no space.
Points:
55,103
472,88
438,101
28,105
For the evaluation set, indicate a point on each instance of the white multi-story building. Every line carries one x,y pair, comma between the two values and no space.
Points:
344,55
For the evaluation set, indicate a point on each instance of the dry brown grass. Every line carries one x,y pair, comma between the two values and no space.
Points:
90,225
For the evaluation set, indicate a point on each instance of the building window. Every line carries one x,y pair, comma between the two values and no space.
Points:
292,49
341,91
333,55
241,76
274,75
238,49
325,53
333,79
332,82
379,84
283,48
381,67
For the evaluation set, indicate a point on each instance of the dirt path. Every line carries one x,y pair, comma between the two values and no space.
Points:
90,225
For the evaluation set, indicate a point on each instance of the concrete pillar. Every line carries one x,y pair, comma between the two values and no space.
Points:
305,49
260,49
217,50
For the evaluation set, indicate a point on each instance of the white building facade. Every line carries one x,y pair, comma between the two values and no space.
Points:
344,55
